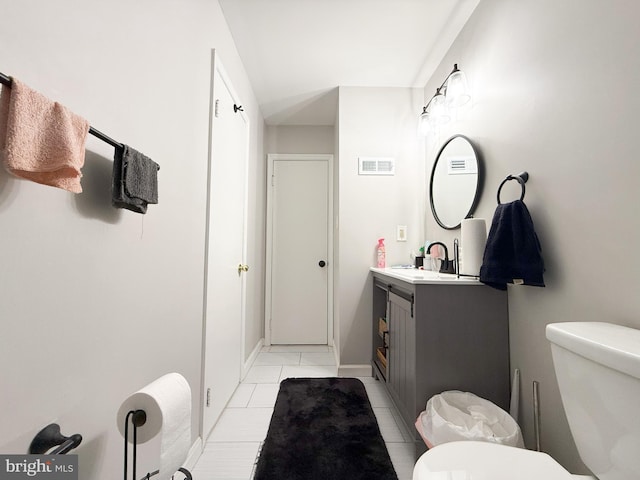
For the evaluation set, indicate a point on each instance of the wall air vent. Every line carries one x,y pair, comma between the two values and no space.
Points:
461,165
376,166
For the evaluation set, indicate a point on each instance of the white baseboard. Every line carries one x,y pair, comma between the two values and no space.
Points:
252,358
355,370
194,454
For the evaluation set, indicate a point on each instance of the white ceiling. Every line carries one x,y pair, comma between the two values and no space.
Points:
296,52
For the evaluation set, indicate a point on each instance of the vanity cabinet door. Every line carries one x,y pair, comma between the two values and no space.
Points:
402,345
380,337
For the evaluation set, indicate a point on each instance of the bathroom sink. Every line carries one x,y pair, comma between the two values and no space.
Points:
448,276
427,276
437,276
430,275
416,274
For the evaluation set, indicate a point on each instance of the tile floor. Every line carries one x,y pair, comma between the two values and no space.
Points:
232,447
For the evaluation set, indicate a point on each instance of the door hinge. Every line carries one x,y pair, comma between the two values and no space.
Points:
208,397
273,180
216,108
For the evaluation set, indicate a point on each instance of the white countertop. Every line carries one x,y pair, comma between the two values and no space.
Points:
418,277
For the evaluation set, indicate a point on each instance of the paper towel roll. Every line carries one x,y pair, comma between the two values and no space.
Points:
474,239
167,403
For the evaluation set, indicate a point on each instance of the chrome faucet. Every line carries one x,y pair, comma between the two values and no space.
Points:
447,266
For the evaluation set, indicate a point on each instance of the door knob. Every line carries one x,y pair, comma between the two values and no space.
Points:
242,268
322,263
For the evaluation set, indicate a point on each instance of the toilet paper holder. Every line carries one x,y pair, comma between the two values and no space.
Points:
138,419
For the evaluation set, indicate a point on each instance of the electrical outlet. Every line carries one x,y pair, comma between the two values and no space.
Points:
401,233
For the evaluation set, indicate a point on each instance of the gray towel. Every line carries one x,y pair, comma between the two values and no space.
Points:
135,180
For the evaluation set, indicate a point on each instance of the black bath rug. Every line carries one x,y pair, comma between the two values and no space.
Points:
324,429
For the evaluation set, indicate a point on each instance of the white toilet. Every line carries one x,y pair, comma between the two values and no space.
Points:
598,371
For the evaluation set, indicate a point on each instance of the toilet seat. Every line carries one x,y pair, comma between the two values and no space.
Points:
469,460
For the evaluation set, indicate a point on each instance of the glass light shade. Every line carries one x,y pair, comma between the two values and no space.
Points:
457,90
439,110
424,123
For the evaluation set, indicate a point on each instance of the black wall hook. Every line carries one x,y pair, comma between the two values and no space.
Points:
49,437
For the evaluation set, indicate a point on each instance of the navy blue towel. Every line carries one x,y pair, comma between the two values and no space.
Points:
513,253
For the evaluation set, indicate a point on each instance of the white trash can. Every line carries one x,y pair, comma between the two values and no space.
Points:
453,416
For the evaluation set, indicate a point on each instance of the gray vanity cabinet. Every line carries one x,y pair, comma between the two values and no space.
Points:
441,336
402,350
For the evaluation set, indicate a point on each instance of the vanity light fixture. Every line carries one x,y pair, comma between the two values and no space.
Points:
453,93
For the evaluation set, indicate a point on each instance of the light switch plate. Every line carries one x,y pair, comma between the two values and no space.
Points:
401,233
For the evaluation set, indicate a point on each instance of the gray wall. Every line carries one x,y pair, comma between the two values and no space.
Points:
373,122
299,139
554,88
97,302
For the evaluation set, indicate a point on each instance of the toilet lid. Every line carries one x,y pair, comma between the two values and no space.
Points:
486,461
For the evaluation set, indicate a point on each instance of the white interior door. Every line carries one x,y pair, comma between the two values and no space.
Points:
299,267
225,250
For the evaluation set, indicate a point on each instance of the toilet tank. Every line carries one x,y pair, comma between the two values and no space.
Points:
598,370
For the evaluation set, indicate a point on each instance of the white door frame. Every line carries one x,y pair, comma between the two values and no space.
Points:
216,65
271,158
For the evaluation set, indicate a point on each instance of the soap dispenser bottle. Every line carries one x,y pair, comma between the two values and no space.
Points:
381,254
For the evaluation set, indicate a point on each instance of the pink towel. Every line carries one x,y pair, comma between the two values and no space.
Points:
41,140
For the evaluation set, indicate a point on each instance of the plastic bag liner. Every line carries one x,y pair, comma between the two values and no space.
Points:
453,416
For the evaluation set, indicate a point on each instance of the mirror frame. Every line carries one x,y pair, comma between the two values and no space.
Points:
479,182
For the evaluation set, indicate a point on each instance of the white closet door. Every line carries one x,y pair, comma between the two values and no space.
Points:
299,254
225,251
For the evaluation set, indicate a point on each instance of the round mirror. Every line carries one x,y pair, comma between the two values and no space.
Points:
455,182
